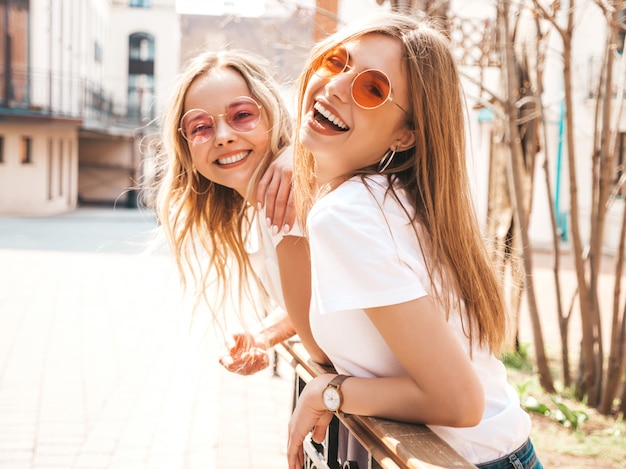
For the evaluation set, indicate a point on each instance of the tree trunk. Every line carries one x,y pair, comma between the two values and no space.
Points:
618,331
517,168
605,198
588,363
562,316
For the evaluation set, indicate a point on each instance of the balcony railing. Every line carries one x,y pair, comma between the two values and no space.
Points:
59,96
390,444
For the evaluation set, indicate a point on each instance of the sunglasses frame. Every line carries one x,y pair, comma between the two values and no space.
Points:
346,68
218,116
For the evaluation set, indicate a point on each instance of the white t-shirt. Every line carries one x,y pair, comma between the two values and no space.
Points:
364,254
261,250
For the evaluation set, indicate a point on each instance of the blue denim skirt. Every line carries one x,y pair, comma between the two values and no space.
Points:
522,458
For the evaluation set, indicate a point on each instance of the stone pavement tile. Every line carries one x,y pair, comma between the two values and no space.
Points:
53,460
98,370
16,460
256,408
92,460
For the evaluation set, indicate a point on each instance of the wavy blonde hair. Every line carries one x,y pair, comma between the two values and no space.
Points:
206,225
433,173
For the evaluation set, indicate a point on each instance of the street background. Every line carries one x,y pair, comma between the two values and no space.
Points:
101,365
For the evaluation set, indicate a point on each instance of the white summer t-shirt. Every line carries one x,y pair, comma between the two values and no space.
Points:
261,250
364,254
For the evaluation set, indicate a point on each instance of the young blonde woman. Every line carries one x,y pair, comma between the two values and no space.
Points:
405,302
222,136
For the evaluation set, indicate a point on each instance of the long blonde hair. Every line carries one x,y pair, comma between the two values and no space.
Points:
433,172
206,224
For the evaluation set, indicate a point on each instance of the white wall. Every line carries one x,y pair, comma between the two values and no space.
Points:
47,184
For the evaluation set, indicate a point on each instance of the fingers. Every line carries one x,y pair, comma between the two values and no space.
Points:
296,459
295,452
319,431
306,416
265,184
274,193
236,341
285,208
279,202
246,363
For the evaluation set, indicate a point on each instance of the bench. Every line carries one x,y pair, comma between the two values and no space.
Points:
390,444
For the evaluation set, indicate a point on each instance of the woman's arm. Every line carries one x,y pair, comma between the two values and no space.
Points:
295,276
441,387
247,352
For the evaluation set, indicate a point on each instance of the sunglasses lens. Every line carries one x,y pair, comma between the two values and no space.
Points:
197,126
370,89
243,114
333,63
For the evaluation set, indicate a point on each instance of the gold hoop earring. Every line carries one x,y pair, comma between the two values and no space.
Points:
386,160
195,180
206,191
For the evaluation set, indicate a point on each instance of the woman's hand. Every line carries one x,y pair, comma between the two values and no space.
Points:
274,193
309,415
246,355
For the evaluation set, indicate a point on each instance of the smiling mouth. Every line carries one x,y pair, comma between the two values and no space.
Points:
327,118
233,158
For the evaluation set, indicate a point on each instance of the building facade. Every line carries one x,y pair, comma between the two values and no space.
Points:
80,87
82,83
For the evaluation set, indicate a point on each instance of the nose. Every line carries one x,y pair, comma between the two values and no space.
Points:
224,133
340,84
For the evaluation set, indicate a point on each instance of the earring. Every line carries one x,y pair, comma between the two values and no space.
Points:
386,160
195,181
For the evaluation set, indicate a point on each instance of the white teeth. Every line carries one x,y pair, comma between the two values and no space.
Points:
233,159
330,116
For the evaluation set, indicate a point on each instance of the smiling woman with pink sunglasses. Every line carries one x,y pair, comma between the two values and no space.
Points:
405,301
224,134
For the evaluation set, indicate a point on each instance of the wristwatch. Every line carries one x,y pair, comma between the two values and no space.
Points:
331,395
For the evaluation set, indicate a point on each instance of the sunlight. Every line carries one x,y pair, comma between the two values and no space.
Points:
251,8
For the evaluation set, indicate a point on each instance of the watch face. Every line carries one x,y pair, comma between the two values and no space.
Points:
332,399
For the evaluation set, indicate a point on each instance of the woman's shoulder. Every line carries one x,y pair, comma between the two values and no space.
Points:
358,200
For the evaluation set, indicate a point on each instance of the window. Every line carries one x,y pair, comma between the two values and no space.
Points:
140,75
68,192
97,52
25,150
14,50
140,3
60,168
50,168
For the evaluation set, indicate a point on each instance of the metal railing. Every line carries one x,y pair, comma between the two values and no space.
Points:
389,444
62,96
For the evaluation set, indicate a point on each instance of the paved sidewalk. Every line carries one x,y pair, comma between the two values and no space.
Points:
100,367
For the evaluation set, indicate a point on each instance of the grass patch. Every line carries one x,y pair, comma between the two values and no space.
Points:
566,433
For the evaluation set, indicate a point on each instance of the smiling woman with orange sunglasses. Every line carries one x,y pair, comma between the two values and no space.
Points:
405,301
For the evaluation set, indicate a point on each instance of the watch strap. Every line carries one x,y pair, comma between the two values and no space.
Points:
337,380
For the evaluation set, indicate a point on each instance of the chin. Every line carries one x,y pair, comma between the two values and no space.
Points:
313,143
